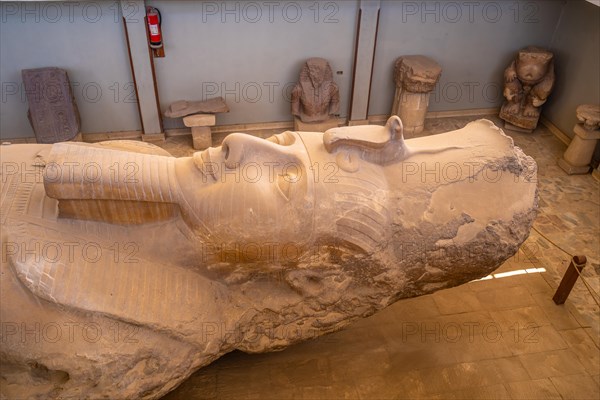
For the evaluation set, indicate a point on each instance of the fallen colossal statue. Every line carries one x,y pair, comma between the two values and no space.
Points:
125,269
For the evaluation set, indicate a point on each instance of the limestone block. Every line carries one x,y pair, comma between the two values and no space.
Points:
181,108
201,137
199,120
168,263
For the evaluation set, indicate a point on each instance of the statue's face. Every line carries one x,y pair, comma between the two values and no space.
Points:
317,73
532,66
279,195
250,191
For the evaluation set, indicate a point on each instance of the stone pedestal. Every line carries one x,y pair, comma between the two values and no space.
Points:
322,126
201,133
577,158
415,78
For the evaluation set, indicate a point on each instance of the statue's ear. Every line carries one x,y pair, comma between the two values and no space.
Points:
395,127
367,137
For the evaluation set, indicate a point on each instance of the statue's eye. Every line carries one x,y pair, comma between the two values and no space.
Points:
283,139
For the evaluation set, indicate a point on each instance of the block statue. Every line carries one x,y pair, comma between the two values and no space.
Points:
53,113
126,269
315,98
528,81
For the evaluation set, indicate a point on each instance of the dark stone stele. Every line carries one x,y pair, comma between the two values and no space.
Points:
52,113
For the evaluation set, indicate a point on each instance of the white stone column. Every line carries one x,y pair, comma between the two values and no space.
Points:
415,78
576,159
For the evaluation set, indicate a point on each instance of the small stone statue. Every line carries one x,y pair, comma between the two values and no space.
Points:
315,98
528,81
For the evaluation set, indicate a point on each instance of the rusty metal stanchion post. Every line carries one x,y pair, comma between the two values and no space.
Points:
569,279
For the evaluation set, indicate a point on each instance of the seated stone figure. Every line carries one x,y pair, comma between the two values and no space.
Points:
315,98
528,81
126,269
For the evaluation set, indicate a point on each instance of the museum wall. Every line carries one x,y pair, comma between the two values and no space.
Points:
251,53
86,39
576,48
473,42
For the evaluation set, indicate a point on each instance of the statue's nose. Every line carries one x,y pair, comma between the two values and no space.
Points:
237,147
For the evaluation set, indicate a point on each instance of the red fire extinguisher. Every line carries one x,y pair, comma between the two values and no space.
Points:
154,21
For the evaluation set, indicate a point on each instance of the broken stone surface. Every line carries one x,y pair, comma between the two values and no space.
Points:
181,108
127,269
528,82
316,97
415,77
589,116
199,120
52,113
578,155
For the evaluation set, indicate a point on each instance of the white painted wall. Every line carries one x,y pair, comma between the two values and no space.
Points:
86,39
474,41
251,53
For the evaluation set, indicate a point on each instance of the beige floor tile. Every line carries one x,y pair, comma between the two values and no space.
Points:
417,308
404,386
519,318
505,298
578,387
325,392
470,375
482,393
539,389
456,300
584,348
526,339
479,348
537,283
552,363
559,315
593,333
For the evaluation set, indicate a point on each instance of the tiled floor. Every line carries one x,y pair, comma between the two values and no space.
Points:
499,338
